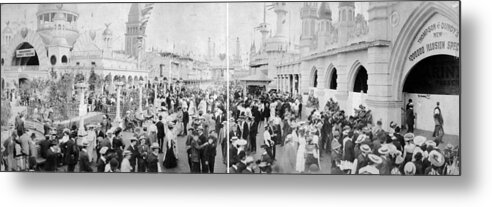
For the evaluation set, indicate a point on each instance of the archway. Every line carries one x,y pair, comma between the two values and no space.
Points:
315,78
360,83
434,79
64,59
25,55
333,79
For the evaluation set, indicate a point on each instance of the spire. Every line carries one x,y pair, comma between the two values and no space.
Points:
324,11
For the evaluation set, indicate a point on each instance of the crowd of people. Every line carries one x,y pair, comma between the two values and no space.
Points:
192,114
260,133
351,143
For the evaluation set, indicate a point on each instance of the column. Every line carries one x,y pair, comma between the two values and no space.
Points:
119,85
82,106
140,83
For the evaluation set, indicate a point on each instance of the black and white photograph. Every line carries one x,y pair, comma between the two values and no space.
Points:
296,88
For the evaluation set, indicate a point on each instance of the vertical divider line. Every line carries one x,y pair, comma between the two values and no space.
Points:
227,86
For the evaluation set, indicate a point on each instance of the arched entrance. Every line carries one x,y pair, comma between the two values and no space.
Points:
360,83
25,55
333,79
434,79
315,78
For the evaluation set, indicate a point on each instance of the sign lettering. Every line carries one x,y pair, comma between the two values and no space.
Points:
25,53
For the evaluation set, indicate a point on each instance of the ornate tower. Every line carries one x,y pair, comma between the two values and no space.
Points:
108,38
308,18
7,34
281,11
133,32
325,26
346,18
57,26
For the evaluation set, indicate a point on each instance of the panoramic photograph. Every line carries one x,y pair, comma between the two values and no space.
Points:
298,88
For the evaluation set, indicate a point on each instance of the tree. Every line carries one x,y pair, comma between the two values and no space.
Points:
92,80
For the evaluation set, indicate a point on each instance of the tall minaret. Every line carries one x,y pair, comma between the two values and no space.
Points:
308,18
281,11
238,51
346,19
133,30
325,25
263,28
108,38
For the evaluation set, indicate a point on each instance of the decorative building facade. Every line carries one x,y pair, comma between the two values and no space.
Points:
400,51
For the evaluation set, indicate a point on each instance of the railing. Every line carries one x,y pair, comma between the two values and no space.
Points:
21,68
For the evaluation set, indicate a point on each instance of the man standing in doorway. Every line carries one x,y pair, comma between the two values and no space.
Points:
410,116
439,121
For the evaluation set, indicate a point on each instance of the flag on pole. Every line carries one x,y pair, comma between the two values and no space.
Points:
145,13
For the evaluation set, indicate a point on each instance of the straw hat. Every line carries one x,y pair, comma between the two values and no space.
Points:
103,150
409,168
241,142
127,152
360,138
436,158
431,143
419,140
375,159
365,148
408,136
384,149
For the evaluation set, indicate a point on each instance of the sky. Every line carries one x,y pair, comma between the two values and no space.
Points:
185,25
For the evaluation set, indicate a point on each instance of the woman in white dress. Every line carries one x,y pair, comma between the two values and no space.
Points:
301,150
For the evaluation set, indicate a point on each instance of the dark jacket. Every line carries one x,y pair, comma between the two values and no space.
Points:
84,164
160,129
71,152
152,162
51,161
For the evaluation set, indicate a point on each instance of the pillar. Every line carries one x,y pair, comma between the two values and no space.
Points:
140,83
119,85
82,106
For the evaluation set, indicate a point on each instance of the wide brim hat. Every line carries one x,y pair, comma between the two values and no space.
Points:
103,150
375,159
92,126
360,138
133,139
419,140
155,145
408,136
365,148
384,150
66,130
241,142
436,158
234,138
409,168
127,152
431,143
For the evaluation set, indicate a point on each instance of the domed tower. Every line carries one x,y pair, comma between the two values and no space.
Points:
309,16
7,34
108,38
57,26
346,18
325,25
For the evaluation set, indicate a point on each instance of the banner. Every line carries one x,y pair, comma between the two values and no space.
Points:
25,53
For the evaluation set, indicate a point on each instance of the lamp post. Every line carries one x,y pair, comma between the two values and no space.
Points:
119,84
82,107
141,83
155,93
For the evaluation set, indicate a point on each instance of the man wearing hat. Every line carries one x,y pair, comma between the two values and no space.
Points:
52,153
186,120
249,165
371,168
386,164
143,151
160,134
132,148
348,153
102,161
233,152
71,153
84,163
153,159
362,159
437,161
202,139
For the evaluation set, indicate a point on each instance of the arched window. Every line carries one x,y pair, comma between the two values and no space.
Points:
64,59
344,14
53,60
333,79
360,83
315,79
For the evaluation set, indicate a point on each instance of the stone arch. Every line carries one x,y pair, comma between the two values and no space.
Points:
328,75
417,19
34,40
352,73
314,77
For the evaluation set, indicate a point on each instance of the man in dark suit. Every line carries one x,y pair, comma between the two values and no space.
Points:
202,139
186,119
233,157
71,154
160,134
253,131
210,151
51,158
84,164
118,144
135,153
